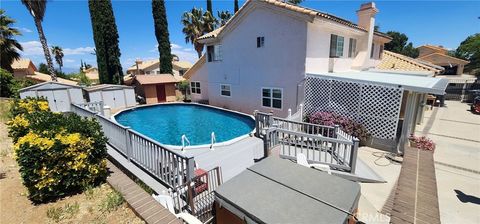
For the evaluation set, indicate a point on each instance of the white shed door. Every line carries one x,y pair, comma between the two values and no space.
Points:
119,98
51,99
62,100
108,98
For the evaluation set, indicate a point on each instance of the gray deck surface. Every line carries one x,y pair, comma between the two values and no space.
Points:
363,173
232,159
279,191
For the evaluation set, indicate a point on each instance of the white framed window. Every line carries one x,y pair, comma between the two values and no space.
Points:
158,72
260,42
147,72
225,90
195,87
272,97
214,52
336,46
352,48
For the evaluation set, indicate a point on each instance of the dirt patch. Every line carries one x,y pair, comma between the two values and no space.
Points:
97,205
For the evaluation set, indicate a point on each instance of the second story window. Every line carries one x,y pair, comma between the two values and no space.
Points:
336,46
195,87
260,42
214,52
352,48
158,72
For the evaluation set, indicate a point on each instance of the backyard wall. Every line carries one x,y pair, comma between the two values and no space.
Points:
280,63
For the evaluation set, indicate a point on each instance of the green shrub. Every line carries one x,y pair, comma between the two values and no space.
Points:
57,154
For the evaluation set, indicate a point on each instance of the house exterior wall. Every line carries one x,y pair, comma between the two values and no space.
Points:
22,73
318,48
246,68
201,75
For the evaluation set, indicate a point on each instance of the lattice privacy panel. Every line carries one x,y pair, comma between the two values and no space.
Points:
377,107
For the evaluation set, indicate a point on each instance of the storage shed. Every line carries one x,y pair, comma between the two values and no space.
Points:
114,96
60,96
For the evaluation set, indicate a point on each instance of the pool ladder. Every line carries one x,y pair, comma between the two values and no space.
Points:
213,140
185,140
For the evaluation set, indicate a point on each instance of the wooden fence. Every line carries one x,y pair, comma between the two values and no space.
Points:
167,165
320,144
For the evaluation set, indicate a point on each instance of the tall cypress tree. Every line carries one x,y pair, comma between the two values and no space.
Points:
209,6
161,32
105,35
235,6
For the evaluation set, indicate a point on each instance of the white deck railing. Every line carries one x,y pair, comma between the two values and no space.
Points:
93,106
167,165
321,144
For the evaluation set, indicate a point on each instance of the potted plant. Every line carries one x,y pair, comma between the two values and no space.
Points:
422,142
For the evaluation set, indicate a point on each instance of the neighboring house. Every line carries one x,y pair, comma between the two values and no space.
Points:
439,56
259,59
459,83
92,75
25,69
397,62
155,88
152,67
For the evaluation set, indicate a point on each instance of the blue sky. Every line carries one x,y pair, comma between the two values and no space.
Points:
67,24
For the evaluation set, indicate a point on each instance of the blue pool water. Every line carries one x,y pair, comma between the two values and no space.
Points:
166,123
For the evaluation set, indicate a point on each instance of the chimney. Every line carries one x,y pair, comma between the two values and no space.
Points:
366,15
366,19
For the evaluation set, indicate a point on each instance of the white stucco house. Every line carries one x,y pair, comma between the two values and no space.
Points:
260,58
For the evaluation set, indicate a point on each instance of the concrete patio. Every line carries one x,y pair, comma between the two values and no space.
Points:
456,132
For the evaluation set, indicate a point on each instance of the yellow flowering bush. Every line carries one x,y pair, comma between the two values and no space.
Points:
58,154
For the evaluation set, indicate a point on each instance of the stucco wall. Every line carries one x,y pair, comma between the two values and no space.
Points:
201,75
280,63
318,48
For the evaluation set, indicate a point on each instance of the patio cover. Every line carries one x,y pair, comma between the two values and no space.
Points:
280,191
408,81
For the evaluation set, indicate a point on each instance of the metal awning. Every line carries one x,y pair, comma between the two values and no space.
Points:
408,81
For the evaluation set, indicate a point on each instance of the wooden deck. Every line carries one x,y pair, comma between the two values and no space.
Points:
416,198
140,201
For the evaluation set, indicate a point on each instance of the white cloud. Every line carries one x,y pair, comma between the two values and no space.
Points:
175,46
78,50
24,29
67,60
35,48
184,53
32,48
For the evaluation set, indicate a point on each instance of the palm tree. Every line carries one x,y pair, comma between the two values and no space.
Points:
8,45
195,24
224,16
37,10
58,53
193,28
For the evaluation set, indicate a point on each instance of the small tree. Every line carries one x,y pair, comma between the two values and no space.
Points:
235,6
399,44
469,50
183,87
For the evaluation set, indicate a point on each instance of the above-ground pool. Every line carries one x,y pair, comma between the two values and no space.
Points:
166,123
